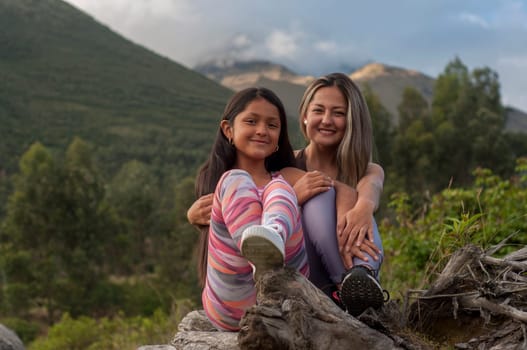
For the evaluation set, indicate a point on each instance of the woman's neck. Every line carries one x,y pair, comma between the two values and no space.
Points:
322,159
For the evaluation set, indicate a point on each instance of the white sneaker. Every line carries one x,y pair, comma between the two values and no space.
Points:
263,247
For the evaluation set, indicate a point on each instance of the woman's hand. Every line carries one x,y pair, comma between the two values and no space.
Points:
360,252
357,223
355,232
199,212
367,247
310,184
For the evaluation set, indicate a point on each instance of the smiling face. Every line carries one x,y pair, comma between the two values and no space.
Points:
254,133
325,117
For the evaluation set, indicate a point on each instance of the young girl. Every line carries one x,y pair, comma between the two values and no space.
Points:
255,223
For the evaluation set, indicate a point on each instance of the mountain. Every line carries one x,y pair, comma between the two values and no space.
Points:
240,74
288,85
63,74
516,120
387,82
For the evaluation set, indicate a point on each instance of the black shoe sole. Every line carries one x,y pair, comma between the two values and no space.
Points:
360,291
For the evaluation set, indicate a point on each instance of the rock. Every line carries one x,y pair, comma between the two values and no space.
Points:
195,332
156,347
9,340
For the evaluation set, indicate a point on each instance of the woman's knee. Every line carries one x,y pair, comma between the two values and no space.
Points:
319,217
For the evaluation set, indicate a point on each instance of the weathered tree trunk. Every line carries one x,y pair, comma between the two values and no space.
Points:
478,300
291,313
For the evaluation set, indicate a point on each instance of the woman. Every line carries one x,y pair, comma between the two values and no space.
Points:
335,121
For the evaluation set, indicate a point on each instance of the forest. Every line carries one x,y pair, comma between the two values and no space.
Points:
98,257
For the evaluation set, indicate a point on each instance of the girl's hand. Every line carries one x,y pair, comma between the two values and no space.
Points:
199,212
310,184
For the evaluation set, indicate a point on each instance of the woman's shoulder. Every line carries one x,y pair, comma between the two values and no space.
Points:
300,159
291,174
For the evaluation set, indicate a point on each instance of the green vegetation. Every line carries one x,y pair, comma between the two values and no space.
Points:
99,143
65,75
419,241
440,145
72,244
84,333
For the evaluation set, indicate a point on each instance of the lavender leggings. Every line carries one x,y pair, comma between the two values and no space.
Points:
319,224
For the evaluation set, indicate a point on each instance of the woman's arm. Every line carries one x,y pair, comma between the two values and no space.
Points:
357,224
199,212
370,187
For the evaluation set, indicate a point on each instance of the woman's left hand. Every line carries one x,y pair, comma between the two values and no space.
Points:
354,227
367,247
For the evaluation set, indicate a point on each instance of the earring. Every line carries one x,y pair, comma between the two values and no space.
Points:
305,121
230,142
277,147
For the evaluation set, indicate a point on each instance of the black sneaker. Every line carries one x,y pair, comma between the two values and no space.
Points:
360,290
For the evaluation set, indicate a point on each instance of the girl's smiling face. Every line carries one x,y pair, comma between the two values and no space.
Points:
325,117
255,132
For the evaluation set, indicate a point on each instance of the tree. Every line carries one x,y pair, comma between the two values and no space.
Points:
468,122
135,196
177,256
413,143
28,229
57,215
383,131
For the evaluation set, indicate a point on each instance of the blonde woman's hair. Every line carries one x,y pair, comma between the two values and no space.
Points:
355,150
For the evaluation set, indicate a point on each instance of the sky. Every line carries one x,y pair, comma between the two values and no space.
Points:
321,36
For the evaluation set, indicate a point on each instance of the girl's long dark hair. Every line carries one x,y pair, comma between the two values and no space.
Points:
223,157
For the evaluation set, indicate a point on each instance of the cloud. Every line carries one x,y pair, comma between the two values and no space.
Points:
132,13
511,14
514,90
241,41
282,44
315,37
473,19
327,47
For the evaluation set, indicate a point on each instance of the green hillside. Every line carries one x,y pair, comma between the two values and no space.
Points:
63,74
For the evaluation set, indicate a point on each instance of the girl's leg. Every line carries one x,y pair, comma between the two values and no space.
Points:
281,213
320,228
229,286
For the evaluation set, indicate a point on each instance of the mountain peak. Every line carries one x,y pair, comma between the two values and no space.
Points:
240,74
375,70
